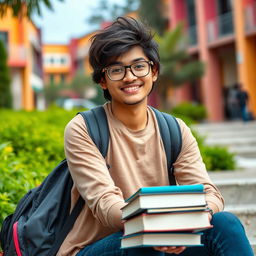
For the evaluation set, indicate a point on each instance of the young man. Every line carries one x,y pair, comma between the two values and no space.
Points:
125,62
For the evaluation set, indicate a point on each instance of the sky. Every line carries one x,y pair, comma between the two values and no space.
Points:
67,20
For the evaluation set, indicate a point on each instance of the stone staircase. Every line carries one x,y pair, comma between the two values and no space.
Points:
238,137
237,186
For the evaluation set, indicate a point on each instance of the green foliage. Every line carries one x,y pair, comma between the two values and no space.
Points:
17,7
218,158
5,80
178,67
31,145
79,86
151,12
195,112
107,11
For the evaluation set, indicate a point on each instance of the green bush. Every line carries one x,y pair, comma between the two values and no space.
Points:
186,110
31,145
218,158
215,157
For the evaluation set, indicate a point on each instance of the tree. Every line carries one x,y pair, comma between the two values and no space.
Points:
5,81
81,86
177,66
17,6
151,12
106,11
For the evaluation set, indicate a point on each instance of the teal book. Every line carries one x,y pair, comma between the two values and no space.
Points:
161,239
162,197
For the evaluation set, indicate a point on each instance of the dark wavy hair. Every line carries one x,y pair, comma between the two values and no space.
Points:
116,39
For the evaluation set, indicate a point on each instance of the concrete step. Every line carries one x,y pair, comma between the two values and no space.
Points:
245,162
238,188
225,126
243,133
231,141
238,191
247,215
238,137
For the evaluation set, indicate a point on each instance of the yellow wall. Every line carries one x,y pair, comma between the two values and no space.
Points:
57,70
246,55
19,30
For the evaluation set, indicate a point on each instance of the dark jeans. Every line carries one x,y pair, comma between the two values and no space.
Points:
226,238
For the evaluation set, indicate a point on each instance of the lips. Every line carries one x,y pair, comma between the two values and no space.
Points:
131,88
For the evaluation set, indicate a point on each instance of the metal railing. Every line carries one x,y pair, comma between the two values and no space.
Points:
220,27
225,24
192,35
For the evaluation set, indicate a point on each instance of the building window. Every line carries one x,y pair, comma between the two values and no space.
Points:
191,14
4,38
63,60
225,17
63,78
51,78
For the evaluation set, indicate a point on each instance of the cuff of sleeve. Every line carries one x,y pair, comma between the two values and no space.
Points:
115,215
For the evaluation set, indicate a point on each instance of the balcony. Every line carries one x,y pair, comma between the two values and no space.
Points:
17,56
250,18
221,27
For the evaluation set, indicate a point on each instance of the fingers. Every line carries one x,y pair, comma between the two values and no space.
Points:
170,249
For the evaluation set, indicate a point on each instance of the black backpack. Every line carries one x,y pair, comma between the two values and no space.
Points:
42,218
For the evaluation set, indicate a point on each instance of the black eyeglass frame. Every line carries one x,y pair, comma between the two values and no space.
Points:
149,62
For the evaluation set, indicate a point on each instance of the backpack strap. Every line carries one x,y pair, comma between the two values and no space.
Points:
97,125
172,140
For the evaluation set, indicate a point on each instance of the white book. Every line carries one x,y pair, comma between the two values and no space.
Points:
172,221
161,239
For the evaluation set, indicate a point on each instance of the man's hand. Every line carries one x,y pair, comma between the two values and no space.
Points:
170,249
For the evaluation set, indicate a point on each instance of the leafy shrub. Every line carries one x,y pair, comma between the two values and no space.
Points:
194,112
31,145
218,158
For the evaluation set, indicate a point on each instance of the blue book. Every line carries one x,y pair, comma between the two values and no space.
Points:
195,188
162,197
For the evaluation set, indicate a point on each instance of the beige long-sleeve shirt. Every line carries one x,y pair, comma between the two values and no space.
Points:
135,159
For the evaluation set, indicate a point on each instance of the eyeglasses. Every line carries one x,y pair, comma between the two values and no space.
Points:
138,69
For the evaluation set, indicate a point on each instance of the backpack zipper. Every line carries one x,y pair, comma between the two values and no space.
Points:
16,239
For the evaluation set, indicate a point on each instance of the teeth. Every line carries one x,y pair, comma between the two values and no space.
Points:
131,89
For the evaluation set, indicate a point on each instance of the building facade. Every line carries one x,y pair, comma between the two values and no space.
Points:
22,40
56,63
222,34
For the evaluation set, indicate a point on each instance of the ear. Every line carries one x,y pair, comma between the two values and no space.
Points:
154,73
103,83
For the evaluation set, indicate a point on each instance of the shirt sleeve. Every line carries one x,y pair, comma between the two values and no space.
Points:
91,176
189,168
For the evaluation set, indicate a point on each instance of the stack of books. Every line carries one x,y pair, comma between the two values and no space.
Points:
165,216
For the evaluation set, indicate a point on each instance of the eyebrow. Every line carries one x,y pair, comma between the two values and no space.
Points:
121,63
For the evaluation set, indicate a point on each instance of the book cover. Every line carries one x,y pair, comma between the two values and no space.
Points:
195,188
161,239
161,201
193,221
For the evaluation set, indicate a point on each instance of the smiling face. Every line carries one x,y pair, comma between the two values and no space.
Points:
131,90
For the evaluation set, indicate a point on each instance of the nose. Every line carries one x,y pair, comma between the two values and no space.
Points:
129,76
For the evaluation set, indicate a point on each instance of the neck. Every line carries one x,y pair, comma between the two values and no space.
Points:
133,117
